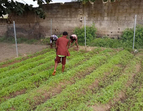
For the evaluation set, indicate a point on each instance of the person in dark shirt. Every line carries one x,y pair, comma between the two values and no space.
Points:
62,46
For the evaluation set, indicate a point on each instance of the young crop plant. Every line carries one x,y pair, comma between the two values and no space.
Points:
20,76
70,96
52,82
19,64
91,78
24,58
25,67
38,78
132,101
23,84
29,65
107,94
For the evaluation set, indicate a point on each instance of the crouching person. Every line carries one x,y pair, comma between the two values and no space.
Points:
74,40
52,39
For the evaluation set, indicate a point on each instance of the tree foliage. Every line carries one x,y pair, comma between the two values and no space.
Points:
7,7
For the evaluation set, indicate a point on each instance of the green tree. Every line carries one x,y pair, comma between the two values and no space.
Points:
7,7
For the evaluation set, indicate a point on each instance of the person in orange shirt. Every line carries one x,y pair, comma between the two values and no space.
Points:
74,40
62,46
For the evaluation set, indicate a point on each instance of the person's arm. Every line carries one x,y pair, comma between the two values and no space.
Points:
55,42
56,37
73,43
51,43
56,45
69,43
76,43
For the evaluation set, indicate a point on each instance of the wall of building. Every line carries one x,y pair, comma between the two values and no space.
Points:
110,18
3,27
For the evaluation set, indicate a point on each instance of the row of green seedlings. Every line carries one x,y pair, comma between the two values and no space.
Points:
107,94
133,100
28,66
23,58
25,67
79,92
34,57
20,76
26,101
22,79
39,77
82,70
25,62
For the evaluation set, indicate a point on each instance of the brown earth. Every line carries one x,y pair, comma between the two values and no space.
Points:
8,51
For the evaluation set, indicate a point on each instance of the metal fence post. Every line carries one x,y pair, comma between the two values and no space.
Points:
51,27
85,29
134,31
15,38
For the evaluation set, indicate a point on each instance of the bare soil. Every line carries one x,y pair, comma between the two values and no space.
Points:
8,51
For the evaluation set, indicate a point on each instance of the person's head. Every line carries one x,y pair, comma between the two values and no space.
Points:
65,33
51,37
71,37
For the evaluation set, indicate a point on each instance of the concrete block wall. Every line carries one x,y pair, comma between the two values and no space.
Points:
3,27
110,18
63,17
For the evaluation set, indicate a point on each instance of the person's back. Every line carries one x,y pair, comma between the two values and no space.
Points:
62,44
73,36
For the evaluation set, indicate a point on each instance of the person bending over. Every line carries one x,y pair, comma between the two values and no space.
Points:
52,39
74,40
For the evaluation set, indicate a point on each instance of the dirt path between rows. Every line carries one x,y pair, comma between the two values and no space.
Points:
8,51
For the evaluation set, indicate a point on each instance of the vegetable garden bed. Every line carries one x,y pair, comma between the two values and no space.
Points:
101,79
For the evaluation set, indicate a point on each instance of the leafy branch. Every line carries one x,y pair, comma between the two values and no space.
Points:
7,7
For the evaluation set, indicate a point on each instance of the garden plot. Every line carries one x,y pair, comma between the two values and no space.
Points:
93,80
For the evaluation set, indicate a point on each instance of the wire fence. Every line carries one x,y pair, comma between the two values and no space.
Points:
85,33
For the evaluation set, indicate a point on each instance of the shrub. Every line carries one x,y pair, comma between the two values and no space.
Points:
106,42
90,34
127,37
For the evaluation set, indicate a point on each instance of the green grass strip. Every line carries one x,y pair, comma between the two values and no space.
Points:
26,67
71,92
19,76
25,62
24,58
60,77
40,77
134,93
106,94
